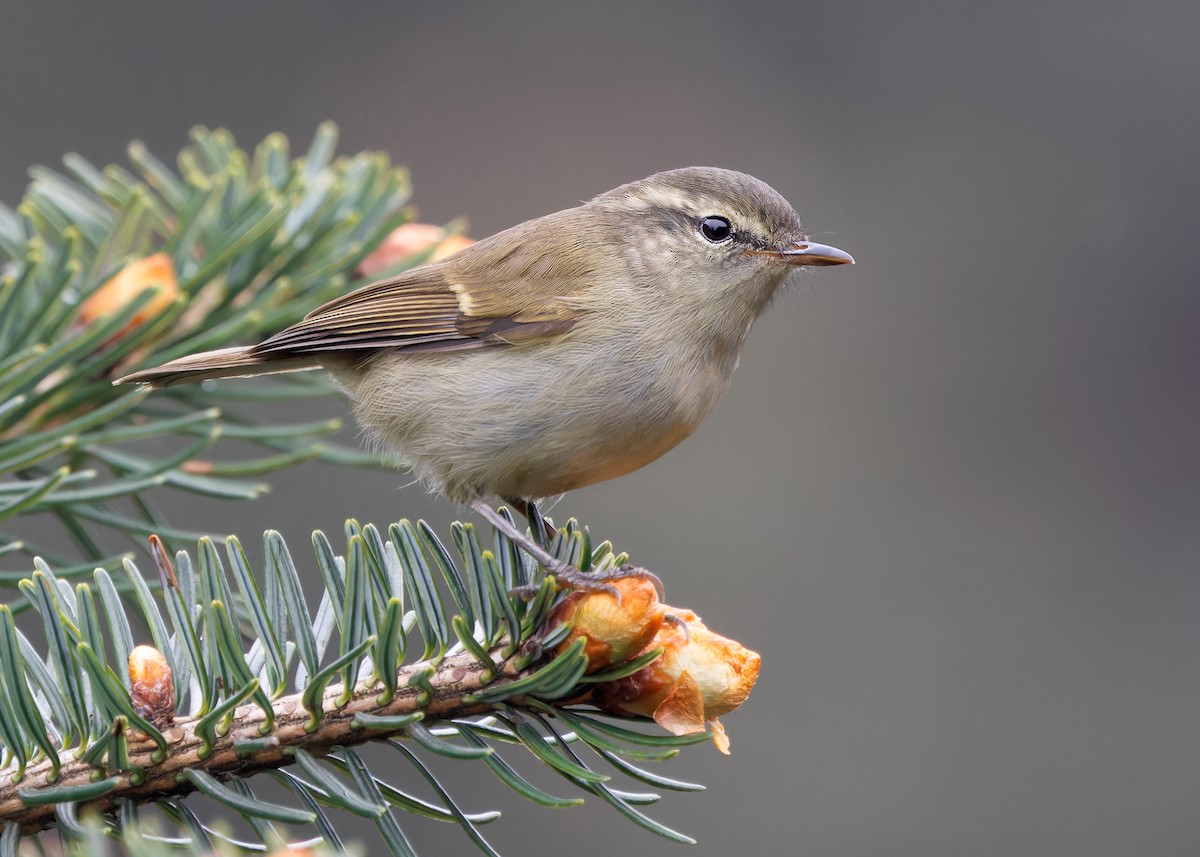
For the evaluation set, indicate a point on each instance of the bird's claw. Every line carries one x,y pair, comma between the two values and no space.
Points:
569,577
642,574
677,621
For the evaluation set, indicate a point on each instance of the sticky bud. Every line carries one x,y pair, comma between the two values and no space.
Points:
408,240
700,676
155,271
614,634
151,687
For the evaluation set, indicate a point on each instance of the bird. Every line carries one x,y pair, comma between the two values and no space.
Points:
567,350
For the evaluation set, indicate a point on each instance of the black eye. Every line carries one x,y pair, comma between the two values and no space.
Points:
716,228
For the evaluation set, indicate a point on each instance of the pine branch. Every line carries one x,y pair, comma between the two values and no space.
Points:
244,243
208,707
243,752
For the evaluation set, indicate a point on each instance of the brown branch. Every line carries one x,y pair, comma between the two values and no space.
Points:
455,677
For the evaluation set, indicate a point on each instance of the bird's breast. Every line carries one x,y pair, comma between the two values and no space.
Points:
538,419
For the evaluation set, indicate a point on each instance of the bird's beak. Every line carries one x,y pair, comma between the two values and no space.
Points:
812,253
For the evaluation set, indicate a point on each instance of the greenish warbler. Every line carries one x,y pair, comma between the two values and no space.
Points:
564,351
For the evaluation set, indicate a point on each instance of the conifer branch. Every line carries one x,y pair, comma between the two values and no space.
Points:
207,706
103,271
453,681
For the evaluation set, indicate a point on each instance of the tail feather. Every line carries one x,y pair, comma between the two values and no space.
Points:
222,363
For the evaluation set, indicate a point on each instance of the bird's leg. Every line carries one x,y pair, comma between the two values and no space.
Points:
522,539
532,514
528,510
565,575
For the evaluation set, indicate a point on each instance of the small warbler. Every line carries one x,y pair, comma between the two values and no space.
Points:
564,351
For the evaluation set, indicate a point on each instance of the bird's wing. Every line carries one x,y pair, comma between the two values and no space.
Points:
414,310
495,292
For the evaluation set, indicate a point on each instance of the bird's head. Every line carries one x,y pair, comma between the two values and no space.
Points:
714,230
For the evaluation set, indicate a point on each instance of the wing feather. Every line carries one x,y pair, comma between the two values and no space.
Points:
506,289
416,309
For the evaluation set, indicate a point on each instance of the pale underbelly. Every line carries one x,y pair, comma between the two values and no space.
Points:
502,423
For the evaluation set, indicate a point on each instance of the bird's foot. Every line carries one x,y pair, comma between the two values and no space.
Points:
677,621
569,577
565,576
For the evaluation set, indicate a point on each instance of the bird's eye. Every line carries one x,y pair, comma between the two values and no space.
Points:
716,228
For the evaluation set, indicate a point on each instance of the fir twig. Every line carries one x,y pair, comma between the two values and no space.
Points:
76,734
242,752
254,240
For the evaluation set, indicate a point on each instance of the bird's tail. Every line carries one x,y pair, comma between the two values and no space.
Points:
223,363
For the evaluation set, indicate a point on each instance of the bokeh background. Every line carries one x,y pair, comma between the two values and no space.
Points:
953,494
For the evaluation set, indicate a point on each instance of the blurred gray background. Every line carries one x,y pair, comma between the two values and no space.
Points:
953,494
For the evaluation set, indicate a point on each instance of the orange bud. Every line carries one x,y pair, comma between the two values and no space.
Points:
408,240
700,676
152,690
614,633
123,288
450,246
